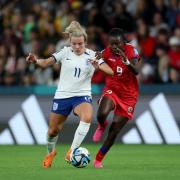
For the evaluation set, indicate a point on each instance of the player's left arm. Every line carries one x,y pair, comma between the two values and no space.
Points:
133,65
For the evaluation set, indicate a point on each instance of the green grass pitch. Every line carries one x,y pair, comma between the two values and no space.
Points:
123,162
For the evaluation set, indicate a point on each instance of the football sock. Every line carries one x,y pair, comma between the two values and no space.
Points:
101,153
51,143
104,123
80,134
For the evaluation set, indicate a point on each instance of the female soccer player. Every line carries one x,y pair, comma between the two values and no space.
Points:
120,92
74,88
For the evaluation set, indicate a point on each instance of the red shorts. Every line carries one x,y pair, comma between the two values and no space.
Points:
122,108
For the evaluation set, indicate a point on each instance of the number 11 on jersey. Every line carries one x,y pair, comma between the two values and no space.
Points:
77,72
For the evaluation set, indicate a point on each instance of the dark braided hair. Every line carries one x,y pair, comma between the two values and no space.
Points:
117,32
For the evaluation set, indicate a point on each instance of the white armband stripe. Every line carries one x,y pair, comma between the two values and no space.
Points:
101,61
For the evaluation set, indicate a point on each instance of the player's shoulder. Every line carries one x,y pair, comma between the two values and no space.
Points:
65,49
106,52
129,47
62,53
89,52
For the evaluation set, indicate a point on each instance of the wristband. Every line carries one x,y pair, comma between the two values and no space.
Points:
100,61
127,62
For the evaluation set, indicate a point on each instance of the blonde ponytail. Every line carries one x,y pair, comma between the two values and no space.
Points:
75,29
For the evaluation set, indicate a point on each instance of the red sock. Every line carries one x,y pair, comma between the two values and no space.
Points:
101,154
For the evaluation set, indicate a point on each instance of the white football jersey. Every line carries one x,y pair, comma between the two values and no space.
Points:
76,73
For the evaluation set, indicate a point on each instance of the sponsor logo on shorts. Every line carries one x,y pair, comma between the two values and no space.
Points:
130,109
109,91
88,99
55,106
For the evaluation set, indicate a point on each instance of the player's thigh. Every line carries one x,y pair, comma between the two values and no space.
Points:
56,120
120,119
106,105
84,111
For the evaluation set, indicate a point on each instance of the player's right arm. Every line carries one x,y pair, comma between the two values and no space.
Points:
32,58
133,63
99,63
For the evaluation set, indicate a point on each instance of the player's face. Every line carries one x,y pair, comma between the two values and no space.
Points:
78,44
115,43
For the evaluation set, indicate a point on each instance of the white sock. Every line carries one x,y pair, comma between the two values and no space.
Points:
51,143
80,134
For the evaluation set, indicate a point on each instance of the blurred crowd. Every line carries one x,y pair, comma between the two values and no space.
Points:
36,26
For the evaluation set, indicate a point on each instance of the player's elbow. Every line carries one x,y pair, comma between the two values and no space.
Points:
136,72
111,72
104,67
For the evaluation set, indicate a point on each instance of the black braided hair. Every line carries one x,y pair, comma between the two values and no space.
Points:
117,32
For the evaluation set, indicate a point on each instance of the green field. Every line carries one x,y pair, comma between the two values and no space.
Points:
126,162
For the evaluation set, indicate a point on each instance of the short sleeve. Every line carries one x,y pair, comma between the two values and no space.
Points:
59,56
133,53
105,54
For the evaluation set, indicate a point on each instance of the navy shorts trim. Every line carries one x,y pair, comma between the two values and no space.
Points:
65,106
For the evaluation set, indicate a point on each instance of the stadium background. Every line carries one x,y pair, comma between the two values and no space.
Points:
26,91
153,27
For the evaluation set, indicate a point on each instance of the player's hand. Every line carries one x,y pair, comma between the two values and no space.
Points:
94,62
121,53
31,58
98,55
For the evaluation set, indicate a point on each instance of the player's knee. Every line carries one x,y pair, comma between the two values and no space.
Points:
53,131
87,118
102,115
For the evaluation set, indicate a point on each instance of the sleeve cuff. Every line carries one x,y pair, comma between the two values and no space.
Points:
101,61
54,57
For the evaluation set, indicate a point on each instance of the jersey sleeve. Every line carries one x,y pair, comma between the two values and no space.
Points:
133,53
92,56
59,56
104,55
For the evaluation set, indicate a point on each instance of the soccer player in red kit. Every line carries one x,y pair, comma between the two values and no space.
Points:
120,93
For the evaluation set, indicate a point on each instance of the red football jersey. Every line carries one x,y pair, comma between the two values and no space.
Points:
123,82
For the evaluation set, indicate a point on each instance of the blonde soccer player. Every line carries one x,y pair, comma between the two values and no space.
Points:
74,89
